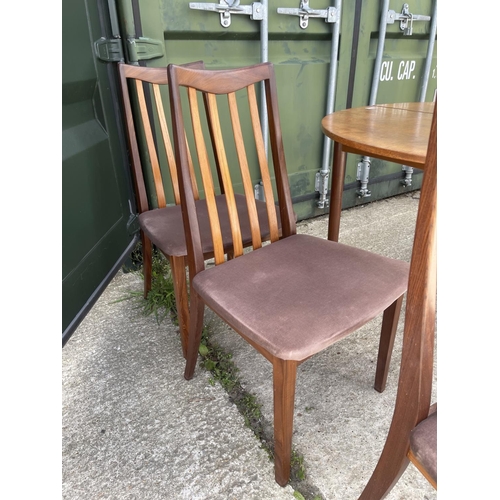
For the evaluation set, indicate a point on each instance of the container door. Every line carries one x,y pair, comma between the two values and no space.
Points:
301,46
97,206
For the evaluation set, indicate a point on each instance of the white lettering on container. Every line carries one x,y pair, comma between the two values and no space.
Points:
405,70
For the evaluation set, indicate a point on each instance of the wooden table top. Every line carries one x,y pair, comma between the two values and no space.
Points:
392,132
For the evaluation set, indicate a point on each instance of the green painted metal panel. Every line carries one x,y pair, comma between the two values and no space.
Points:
302,62
95,186
400,80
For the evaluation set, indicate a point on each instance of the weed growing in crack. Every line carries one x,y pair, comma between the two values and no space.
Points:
160,301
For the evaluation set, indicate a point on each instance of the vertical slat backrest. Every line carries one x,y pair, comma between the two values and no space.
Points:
151,146
229,83
152,79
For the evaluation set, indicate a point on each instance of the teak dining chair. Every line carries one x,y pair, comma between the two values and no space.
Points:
412,435
299,294
163,226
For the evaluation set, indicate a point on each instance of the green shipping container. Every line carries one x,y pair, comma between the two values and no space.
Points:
383,52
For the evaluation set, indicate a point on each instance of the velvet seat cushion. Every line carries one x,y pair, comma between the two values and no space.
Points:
164,226
297,296
423,444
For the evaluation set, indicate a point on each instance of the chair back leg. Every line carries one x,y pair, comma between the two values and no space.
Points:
391,465
196,314
388,334
178,267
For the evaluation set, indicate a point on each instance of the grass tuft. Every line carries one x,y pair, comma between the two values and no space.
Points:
160,301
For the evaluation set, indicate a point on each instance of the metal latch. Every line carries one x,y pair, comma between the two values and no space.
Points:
330,15
227,7
109,50
405,19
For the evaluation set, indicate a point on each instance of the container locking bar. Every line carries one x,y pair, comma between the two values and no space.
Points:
227,7
405,19
330,15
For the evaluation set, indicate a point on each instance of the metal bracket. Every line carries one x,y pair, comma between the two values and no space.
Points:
109,50
138,49
133,224
406,182
321,186
227,7
405,19
363,166
259,191
330,15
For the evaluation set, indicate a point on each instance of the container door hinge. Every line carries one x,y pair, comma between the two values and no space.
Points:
109,50
227,7
138,49
405,19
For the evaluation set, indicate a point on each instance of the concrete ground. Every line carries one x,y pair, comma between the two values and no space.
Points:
133,428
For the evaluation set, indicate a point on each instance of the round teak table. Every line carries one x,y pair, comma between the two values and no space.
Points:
391,132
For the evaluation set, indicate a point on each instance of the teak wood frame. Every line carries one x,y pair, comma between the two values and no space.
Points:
415,381
156,77
139,78
228,82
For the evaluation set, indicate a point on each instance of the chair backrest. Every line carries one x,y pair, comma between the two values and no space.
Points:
189,87
415,378
415,382
146,85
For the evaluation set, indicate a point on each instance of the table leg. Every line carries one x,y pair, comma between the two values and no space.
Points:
338,176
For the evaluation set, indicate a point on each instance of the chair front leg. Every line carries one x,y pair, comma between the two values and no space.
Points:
387,336
178,267
284,377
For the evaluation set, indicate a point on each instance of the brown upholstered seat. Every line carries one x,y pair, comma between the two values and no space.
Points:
345,286
164,226
423,445
289,299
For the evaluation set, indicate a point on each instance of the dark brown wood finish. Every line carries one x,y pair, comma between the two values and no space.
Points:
155,77
238,88
391,132
415,380
140,122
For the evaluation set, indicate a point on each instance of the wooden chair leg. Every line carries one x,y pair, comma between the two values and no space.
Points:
197,309
178,267
387,336
147,256
284,376
391,465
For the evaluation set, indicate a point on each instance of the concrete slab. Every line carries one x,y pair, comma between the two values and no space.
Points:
134,428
